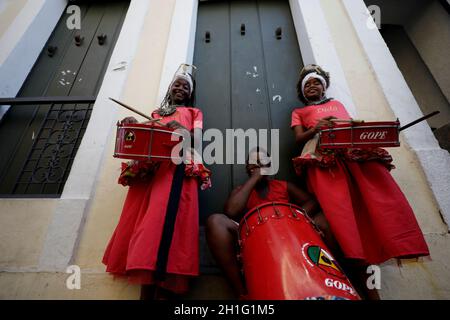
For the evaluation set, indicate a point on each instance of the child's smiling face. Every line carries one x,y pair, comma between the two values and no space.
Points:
313,90
180,91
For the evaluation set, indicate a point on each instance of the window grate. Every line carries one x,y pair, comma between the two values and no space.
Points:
55,144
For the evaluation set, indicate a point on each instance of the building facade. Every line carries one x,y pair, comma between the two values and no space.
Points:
399,71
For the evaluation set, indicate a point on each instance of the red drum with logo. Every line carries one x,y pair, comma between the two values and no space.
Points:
285,258
361,135
145,142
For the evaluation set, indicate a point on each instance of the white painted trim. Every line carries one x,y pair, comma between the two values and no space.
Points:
435,161
181,42
317,46
35,22
20,25
65,229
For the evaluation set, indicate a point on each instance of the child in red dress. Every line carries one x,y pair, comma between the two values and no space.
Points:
367,212
156,239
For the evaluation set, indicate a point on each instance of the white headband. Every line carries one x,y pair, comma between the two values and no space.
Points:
184,77
314,75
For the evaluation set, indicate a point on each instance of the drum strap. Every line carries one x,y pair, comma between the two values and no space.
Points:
169,222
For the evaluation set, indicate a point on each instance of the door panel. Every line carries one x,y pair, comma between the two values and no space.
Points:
283,64
249,99
214,98
246,81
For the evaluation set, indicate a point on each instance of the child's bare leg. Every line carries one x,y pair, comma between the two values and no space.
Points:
222,236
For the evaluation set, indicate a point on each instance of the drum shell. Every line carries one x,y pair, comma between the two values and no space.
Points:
279,255
145,142
362,135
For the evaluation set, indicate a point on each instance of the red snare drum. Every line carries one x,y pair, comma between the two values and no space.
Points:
361,135
145,142
285,258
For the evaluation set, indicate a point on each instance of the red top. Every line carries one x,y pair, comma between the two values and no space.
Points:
277,192
191,119
310,115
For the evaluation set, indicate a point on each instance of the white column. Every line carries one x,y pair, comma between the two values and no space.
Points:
180,46
68,220
435,161
23,41
317,46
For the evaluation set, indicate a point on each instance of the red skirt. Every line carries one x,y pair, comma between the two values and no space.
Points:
133,249
367,212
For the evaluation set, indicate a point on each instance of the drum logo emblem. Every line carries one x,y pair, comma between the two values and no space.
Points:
130,136
321,258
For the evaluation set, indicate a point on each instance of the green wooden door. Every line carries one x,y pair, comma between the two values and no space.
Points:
247,74
38,143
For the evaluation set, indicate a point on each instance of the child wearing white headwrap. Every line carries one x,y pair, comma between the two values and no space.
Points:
368,214
168,106
155,243
314,75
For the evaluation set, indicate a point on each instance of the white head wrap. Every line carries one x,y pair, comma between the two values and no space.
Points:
184,77
314,75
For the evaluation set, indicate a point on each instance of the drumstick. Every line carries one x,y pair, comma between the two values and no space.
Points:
136,111
419,120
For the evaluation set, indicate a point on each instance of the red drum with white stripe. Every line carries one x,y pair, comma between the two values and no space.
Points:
145,142
360,135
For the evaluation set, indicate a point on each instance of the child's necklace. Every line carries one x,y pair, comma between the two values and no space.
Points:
325,100
167,110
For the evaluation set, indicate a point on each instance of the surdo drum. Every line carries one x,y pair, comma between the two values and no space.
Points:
360,135
145,142
285,258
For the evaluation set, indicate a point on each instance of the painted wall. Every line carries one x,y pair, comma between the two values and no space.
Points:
19,50
16,18
24,224
428,27
9,9
427,279
9,12
421,81
430,33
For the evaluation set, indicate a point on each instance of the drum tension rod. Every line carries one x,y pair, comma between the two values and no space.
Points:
260,218
246,226
277,213
294,214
